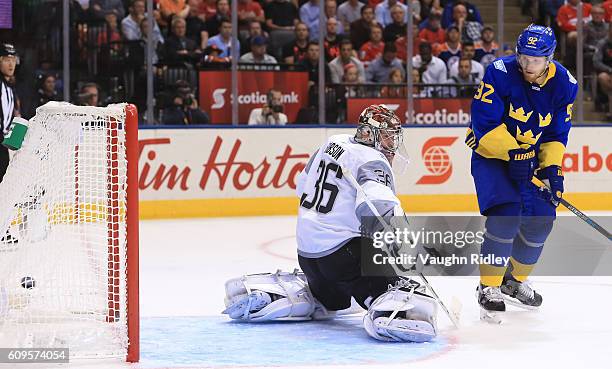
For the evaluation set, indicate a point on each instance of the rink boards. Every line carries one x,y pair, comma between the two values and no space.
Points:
201,172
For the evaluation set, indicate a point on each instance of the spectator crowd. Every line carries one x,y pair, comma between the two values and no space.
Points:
364,44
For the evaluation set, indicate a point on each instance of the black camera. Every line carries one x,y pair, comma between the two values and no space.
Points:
276,108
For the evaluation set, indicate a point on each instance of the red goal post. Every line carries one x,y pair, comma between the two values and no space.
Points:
132,270
69,233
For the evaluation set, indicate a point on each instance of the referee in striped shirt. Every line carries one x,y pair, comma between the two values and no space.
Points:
8,62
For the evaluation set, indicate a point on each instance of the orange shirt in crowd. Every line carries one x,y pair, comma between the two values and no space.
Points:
171,6
433,37
443,47
369,51
567,16
479,45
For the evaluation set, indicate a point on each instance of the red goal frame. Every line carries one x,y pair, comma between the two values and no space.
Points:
132,239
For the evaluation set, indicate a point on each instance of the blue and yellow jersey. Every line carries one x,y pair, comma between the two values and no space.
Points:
509,112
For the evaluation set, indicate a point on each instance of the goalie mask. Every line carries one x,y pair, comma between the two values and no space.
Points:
380,128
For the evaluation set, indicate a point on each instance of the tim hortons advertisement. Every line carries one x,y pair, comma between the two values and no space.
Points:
261,166
253,86
426,111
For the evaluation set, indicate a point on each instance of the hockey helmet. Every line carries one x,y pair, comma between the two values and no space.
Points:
536,40
380,128
7,50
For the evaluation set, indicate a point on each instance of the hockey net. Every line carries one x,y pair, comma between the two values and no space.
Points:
69,228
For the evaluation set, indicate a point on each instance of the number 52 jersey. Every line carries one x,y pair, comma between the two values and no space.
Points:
330,207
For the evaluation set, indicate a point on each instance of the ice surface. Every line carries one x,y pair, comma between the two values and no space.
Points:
184,264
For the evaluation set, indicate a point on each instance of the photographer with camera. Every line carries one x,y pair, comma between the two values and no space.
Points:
184,107
272,111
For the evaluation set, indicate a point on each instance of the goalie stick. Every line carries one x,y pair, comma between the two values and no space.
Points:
453,315
538,183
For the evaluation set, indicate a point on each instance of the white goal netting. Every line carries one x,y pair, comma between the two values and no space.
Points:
63,230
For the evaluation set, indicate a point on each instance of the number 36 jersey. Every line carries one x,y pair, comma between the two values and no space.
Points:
331,208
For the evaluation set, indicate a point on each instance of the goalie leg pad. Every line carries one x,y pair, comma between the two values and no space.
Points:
270,296
402,315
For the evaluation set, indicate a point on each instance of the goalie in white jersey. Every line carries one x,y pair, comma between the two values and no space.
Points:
331,235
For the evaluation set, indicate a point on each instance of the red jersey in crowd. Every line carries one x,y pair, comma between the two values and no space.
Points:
607,5
401,46
370,51
251,6
567,16
208,8
433,37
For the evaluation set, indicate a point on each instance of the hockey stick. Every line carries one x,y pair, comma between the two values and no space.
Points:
574,210
454,316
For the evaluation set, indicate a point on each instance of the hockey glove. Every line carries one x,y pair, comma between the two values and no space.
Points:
553,177
521,164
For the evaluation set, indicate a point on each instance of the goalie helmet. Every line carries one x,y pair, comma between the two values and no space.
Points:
380,128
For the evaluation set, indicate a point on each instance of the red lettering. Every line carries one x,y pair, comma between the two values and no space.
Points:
262,176
586,160
243,173
223,169
609,162
211,165
171,176
286,156
573,163
246,168
161,175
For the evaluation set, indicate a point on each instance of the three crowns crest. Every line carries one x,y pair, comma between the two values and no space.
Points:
519,114
527,136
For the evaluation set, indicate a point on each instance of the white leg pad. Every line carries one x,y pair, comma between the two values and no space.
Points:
270,296
399,315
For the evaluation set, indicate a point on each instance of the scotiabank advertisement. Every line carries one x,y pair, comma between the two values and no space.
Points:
244,170
252,89
426,111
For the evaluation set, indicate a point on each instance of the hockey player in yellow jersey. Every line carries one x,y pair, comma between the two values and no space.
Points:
521,118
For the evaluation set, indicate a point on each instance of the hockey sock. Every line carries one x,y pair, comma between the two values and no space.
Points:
528,245
501,227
